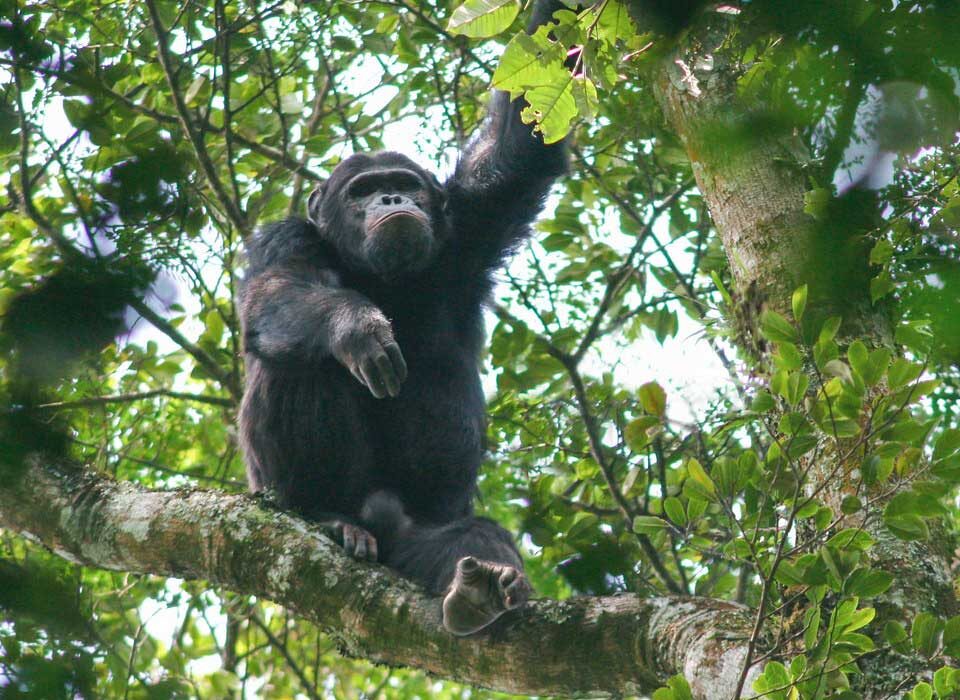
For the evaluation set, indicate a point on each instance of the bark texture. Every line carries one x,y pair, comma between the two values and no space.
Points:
617,645
755,178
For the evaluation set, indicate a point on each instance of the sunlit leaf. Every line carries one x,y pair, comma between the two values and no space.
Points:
483,18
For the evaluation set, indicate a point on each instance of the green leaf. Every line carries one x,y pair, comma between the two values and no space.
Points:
648,524
910,430
700,476
951,637
797,385
778,382
529,61
880,286
586,469
850,505
387,24
882,252
214,325
664,324
653,398
553,107
775,677
586,97
788,574
291,103
829,330
799,302
788,357
907,527
851,538
194,90
614,22
677,689
800,445
854,643
947,444
696,507
811,622
894,633
762,402
867,583
816,202
876,366
823,518
776,328
628,483
673,507
925,633
724,294
902,372
824,351
858,357
793,423
946,681
840,369
483,18
861,618
637,432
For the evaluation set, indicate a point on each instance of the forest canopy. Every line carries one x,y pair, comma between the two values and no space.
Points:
722,377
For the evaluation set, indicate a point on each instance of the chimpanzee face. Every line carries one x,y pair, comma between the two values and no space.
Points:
382,212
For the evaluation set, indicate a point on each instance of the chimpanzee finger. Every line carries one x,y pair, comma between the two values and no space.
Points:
396,357
359,550
355,371
349,540
387,374
371,377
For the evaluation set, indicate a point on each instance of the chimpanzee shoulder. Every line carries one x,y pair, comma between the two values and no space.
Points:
288,241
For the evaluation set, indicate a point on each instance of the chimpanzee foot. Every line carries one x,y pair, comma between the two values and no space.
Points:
356,542
481,592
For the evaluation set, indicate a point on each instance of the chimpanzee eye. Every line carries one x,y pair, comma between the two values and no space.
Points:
406,183
363,188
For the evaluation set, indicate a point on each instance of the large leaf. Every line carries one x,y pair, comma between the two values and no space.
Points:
483,18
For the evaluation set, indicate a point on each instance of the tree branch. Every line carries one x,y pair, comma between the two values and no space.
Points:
138,396
202,357
607,645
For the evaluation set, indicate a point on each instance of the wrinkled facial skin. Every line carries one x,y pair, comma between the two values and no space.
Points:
382,216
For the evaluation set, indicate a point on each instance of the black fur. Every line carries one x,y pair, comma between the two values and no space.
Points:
331,320
429,553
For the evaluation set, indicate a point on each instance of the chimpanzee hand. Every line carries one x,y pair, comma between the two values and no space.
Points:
371,354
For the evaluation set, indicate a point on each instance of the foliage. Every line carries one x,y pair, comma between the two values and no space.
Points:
147,139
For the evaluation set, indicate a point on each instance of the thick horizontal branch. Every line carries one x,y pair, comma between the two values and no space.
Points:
612,645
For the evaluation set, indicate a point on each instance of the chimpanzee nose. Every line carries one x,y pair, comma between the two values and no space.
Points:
391,199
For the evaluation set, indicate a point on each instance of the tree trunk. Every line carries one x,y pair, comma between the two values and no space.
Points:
755,180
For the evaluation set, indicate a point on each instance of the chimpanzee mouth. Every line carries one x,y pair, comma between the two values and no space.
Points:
404,214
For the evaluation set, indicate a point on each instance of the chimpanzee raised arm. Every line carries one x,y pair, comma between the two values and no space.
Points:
363,330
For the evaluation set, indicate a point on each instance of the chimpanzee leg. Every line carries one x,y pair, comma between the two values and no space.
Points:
308,444
471,561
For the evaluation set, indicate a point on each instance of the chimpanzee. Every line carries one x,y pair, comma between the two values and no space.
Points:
363,329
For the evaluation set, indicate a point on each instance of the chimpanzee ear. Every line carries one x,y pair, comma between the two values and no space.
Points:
439,191
313,203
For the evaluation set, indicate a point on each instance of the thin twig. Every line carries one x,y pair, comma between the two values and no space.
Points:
130,398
